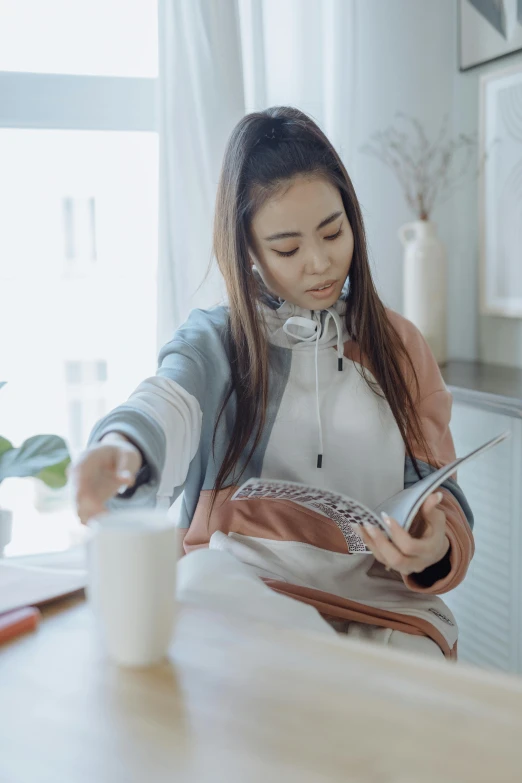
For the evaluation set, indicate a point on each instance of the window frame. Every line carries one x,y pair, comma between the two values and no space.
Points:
75,102
78,102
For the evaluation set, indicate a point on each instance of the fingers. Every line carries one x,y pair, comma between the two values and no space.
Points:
95,480
431,502
405,543
125,479
387,553
124,466
126,469
399,550
87,508
433,519
88,501
101,472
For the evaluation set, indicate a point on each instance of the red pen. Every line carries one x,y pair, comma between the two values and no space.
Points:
17,622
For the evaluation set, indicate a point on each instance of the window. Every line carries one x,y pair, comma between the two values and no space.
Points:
89,37
86,386
79,229
78,236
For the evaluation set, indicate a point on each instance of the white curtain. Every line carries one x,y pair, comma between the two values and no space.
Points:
218,59
303,53
201,99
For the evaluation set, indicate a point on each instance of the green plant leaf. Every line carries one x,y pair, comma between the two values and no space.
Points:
33,456
55,476
5,445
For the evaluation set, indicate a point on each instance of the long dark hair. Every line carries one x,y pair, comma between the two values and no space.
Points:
265,150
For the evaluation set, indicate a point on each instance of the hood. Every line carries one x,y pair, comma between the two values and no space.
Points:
293,327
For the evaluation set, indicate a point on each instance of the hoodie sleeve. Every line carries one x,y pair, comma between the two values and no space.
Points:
434,408
163,418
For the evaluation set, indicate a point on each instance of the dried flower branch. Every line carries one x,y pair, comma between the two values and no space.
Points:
429,173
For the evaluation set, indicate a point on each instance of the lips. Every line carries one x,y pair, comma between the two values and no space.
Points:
320,287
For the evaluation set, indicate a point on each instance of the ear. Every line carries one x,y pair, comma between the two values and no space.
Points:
254,265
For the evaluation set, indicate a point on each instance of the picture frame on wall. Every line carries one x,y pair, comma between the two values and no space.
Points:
500,193
488,30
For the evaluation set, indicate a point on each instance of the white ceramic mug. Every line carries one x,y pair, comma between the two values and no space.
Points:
6,527
132,558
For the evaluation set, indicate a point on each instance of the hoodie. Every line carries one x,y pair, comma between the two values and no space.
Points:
324,426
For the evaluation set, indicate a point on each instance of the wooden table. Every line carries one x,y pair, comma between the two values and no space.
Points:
246,703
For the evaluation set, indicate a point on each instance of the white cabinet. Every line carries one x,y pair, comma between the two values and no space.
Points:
488,605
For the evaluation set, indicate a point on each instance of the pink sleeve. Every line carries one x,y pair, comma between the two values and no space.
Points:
461,549
434,408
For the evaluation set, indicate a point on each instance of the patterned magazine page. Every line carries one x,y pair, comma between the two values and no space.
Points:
347,514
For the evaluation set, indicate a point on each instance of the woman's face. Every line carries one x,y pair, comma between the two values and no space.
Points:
303,243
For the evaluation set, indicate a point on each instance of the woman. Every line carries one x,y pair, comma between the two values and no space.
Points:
303,376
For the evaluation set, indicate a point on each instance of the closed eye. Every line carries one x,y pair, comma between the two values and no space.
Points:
337,234
329,238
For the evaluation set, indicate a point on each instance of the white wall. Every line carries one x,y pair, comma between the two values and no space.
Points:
389,56
407,61
499,339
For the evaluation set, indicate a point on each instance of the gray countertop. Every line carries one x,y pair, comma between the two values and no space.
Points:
488,386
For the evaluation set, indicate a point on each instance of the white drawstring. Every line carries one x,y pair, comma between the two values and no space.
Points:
340,345
315,324
321,449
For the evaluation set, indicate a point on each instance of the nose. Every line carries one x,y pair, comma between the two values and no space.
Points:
317,262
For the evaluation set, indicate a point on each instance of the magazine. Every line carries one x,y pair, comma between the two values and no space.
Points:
348,513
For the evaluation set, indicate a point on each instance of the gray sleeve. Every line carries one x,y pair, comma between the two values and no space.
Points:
147,435
163,417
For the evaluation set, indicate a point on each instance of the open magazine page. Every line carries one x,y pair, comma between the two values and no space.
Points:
405,505
347,513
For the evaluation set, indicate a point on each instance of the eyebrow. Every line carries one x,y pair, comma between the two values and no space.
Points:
286,234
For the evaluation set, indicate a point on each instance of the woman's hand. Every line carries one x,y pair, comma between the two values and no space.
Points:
405,553
103,470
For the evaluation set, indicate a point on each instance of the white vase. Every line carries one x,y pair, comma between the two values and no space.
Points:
425,286
6,526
